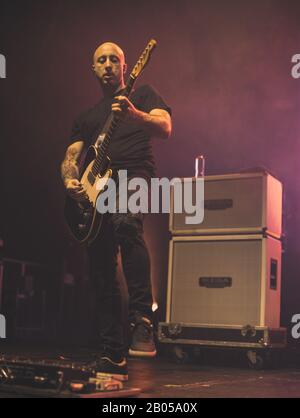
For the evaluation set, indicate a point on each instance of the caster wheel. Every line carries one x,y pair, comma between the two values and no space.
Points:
255,360
180,355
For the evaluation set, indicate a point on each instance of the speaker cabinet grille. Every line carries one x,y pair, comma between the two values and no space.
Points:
235,204
224,280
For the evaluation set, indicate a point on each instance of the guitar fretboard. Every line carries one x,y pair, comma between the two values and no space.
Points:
109,129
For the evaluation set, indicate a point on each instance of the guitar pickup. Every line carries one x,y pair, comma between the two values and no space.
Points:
91,178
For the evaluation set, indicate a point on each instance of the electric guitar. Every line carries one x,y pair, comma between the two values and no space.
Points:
83,219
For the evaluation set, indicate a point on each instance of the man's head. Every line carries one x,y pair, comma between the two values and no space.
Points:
109,65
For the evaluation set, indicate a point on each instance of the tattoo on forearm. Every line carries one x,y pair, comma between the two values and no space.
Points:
69,167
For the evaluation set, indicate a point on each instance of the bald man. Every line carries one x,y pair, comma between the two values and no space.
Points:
143,116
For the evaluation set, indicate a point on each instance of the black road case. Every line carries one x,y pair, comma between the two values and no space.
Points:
261,344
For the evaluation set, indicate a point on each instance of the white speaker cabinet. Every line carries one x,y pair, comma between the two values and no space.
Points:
249,203
232,280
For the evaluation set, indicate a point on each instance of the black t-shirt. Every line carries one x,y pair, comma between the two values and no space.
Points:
130,148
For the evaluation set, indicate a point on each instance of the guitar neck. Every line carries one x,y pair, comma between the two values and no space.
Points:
109,128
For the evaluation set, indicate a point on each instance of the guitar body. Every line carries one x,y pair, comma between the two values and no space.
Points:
83,219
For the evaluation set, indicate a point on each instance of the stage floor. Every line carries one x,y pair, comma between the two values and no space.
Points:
213,376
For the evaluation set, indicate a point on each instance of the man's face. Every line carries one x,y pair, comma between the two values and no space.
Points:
109,64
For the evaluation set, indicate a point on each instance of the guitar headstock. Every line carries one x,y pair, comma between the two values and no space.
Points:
144,59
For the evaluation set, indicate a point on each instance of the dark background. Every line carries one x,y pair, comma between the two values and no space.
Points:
223,66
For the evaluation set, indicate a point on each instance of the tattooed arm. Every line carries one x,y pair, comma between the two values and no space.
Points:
70,172
69,166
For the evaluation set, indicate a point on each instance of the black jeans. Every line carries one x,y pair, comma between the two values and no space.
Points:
124,232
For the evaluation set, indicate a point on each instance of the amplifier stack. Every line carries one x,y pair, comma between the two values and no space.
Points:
224,279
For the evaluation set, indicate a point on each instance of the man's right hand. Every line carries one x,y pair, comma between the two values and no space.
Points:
75,190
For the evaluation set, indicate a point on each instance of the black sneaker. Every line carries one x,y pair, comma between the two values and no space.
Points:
106,367
142,342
